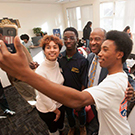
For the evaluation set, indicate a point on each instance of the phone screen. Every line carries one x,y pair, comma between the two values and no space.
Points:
9,32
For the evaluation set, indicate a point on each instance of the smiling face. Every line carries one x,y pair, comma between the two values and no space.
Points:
51,51
109,56
70,40
96,39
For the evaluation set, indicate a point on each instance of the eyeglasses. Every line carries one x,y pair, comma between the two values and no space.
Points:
71,38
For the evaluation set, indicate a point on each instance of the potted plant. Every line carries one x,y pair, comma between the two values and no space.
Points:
37,31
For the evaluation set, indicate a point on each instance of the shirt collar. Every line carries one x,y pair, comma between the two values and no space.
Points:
75,56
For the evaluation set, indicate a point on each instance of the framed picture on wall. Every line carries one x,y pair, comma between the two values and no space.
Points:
57,33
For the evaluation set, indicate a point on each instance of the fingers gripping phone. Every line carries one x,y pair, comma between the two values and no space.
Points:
9,32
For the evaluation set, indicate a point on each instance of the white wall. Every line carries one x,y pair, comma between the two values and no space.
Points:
94,3
34,15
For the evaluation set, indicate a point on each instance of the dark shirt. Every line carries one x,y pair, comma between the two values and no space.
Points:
74,70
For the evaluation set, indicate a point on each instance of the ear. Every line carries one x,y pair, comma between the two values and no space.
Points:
120,55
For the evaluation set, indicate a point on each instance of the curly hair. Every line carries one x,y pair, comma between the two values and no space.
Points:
48,38
122,41
24,36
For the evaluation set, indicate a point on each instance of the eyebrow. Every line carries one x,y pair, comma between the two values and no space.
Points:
105,47
53,45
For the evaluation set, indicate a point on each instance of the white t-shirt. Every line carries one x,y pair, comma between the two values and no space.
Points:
28,44
110,104
51,71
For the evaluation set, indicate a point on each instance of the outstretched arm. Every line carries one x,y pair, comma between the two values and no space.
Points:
17,65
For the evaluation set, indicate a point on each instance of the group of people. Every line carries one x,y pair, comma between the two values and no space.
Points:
99,80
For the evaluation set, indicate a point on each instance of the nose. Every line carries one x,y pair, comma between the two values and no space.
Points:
100,53
68,39
52,49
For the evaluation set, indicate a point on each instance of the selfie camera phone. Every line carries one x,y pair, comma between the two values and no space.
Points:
9,32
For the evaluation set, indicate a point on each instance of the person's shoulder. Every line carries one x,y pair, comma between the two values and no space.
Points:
90,55
62,53
118,77
79,56
61,56
41,68
57,64
81,59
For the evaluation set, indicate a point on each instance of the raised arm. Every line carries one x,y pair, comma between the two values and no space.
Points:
17,65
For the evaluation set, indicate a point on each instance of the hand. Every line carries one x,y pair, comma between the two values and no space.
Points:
57,112
14,63
129,93
33,65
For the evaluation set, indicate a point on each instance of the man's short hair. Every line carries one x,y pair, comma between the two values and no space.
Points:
122,41
71,29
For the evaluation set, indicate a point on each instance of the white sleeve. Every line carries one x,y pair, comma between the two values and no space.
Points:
105,92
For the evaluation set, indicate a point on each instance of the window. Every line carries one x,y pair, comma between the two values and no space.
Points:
77,16
112,15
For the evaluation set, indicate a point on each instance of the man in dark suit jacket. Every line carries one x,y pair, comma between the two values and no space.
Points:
97,37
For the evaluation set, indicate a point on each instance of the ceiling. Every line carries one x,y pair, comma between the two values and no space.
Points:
40,1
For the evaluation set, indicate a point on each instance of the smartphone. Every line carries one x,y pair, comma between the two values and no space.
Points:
9,32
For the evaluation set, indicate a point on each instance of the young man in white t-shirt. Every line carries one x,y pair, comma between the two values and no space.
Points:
108,96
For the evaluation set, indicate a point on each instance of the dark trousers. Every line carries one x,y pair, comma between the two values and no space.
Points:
71,116
49,117
3,100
